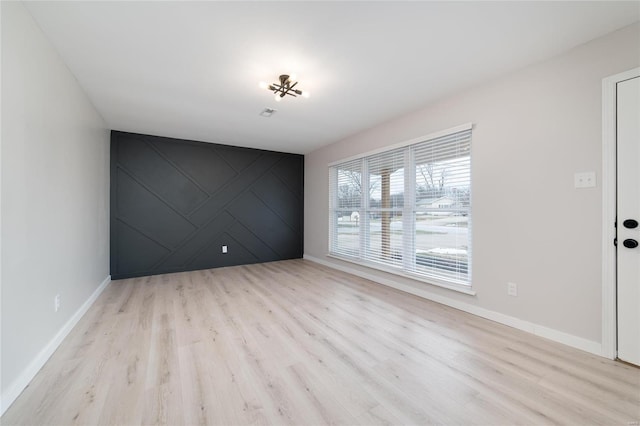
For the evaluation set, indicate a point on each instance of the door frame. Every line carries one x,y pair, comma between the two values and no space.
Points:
609,172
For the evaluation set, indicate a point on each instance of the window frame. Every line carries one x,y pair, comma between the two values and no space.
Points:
409,214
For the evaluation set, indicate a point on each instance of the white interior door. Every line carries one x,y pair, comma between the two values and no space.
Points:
628,211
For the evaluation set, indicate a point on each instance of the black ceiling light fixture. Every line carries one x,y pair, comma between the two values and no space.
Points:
286,86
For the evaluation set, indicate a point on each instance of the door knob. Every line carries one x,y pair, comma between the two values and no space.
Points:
630,224
629,243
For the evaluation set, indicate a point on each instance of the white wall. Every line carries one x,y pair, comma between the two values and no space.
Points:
533,130
55,199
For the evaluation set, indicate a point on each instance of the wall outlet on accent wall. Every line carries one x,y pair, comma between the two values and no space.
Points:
224,249
56,303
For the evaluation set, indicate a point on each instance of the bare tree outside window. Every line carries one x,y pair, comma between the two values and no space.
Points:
434,180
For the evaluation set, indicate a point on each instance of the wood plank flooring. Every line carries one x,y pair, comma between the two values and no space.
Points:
294,342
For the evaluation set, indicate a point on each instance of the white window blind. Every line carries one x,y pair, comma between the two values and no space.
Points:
345,206
384,212
407,209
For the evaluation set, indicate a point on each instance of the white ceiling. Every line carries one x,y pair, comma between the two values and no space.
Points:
191,69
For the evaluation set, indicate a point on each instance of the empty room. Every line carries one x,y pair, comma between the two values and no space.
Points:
314,212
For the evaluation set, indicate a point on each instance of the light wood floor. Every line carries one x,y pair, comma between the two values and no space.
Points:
294,342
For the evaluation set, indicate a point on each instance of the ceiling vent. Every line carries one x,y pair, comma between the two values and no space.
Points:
268,112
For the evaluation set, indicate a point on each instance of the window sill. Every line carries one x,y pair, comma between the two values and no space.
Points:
460,288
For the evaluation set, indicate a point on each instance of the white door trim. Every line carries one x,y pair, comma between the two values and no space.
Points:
609,342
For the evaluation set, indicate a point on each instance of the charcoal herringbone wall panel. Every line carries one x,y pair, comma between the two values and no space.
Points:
174,203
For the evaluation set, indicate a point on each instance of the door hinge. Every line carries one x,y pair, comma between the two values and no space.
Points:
615,242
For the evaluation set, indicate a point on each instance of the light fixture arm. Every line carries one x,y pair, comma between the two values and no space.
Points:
286,87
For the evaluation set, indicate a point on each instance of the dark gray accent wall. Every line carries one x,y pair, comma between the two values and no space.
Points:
175,203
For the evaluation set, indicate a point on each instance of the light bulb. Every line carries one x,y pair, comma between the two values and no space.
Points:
263,85
306,94
293,77
278,98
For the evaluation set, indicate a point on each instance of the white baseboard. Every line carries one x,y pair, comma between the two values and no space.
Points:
22,381
539,330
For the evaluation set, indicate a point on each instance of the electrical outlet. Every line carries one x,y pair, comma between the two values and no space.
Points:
512,289
56,303
224,249
584,180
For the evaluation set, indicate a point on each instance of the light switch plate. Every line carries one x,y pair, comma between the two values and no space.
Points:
585,180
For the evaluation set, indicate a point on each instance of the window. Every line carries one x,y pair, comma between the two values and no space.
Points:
408,209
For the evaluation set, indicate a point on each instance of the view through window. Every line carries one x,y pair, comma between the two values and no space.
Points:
407,209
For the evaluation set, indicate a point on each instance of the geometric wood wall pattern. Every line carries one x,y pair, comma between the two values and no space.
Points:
174,203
